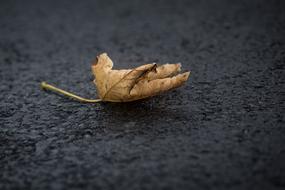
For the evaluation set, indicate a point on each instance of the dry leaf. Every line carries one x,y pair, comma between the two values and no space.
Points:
133,84
129,84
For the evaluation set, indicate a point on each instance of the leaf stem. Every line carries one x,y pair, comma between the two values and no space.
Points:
47,86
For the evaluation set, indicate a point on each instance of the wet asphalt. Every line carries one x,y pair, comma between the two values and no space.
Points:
224,129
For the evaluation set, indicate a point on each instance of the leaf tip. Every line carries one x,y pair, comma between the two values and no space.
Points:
186,74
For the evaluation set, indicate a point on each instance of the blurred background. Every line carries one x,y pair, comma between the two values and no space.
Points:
224,129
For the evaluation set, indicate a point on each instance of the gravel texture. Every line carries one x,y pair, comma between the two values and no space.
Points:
223,130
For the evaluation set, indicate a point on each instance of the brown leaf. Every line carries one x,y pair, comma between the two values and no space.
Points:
133,84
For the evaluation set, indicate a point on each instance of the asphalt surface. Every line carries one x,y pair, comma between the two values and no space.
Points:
224,129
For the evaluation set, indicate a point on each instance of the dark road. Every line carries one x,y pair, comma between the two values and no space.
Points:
224,129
